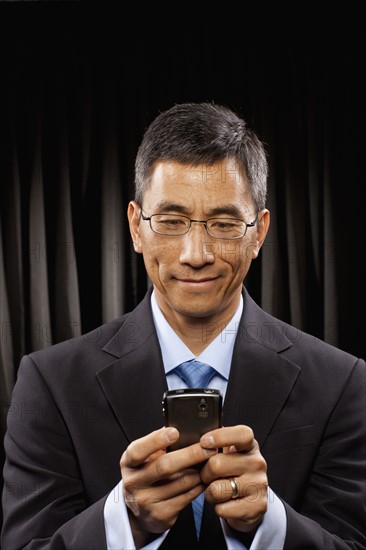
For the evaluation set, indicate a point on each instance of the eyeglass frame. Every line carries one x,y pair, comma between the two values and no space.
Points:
148,218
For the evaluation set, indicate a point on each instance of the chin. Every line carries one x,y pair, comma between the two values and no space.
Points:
196,312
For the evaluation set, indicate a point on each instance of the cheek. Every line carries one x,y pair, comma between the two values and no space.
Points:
157,255
238,255
248,252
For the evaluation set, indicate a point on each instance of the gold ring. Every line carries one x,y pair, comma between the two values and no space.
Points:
234,487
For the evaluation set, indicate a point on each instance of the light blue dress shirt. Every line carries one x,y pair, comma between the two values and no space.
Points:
271,533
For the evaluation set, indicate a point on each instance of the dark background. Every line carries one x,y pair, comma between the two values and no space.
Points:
80,81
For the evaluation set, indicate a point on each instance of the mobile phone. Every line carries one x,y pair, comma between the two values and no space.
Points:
193,412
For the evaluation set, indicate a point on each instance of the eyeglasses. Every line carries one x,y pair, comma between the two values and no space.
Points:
173,225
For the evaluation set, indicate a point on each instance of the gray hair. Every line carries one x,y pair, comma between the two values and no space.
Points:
202,133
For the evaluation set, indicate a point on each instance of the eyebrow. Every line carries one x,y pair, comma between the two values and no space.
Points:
228,209
166,206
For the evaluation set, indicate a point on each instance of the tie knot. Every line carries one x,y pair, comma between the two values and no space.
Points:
195,373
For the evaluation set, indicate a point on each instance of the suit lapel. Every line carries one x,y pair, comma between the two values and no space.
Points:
261,379
134,383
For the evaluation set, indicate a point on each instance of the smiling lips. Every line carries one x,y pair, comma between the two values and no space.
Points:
197,281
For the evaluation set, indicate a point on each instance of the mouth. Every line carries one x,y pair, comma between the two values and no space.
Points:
203,280
193,282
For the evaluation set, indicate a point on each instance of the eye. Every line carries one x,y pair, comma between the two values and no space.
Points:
224,225
171,222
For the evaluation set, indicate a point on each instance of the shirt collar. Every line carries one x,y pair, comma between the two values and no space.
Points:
218,353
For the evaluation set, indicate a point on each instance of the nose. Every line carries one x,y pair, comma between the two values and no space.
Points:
197,247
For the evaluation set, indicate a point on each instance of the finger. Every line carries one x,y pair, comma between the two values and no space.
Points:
171,464
240,437
224,466
236,488
250,466
141,449
161,511
249,509
184,482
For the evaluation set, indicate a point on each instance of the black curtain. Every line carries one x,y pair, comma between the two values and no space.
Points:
80,83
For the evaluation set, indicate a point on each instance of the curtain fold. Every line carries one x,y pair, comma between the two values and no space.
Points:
67,317
13,267
7,372
40,327
330,289
113,218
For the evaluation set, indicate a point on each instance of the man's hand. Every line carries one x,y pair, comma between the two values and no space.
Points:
158,485
236,479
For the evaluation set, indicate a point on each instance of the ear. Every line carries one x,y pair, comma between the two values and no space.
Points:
262,230
134,215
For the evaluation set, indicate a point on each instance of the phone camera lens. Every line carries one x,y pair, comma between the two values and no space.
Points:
202,405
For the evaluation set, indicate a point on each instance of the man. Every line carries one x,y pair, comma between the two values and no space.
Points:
87,466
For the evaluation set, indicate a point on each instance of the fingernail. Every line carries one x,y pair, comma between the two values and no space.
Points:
207,440
171,434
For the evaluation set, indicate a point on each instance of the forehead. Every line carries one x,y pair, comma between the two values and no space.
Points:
202,185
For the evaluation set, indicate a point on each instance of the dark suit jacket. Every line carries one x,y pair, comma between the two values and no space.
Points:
77,405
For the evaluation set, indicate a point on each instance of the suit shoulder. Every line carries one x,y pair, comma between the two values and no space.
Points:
312,352
298,345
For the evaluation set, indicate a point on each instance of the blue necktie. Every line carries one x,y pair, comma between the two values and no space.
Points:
196,375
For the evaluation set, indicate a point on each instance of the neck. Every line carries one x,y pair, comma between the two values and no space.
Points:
198,332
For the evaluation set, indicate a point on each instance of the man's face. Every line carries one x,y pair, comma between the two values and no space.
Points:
196,275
